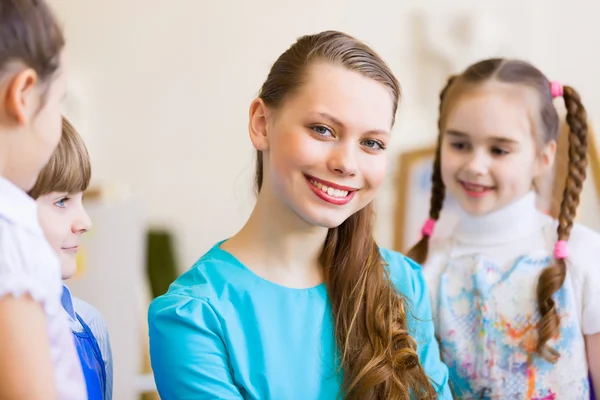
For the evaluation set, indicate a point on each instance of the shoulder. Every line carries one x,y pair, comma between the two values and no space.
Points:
89,313
23,246
405,274
93,318
95,321
584,255
14,242
586,242
27,263
583,245
203,284
408,279
11,246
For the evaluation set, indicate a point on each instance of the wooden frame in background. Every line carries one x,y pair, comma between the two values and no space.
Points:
409,164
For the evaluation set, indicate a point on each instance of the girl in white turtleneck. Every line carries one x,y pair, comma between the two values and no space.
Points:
515,294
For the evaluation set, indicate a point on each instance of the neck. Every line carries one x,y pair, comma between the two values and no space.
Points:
512,222
9,153
280,246
4,146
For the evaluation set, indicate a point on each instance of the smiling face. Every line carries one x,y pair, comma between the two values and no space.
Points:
64,219
489,152
59,194
324,149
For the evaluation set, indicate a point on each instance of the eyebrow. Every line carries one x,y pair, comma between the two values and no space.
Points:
336,121
463,135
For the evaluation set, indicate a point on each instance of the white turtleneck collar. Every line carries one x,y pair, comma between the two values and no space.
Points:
516,220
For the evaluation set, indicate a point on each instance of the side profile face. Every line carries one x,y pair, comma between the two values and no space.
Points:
64,219
490,154
323,150
35,111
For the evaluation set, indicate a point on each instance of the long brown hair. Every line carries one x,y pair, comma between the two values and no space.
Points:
378,356
546,126
29,34
69,170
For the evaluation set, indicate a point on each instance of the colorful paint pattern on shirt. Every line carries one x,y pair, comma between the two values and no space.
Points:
487,328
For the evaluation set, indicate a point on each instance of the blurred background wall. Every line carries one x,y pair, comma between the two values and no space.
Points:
160,91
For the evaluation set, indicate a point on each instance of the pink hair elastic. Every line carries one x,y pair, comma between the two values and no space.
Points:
428,226
556,89
560,250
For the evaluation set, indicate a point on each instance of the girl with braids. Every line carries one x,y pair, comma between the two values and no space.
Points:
515,293
301,303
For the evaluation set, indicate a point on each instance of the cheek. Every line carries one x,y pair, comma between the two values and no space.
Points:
374,169
53,229
296,151
449,166
520,173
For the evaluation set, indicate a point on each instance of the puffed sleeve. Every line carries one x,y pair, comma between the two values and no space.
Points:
23,271
188,356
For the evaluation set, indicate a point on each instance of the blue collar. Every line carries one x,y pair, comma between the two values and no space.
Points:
67,302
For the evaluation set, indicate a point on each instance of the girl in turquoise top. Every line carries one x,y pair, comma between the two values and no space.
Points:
301,303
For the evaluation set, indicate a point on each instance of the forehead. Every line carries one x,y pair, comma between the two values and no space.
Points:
497,110
357,101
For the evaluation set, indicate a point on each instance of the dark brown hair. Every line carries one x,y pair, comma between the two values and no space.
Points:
29,34
69,169
378,356
546,124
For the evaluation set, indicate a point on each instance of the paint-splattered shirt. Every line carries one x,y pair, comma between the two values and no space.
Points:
483,278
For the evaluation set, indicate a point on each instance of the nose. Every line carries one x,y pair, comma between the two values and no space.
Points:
342,160
479,163
82,223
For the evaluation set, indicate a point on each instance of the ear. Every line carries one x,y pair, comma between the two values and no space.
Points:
20,99
258,124
546,157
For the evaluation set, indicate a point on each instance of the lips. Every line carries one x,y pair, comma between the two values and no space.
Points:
72,249
476,190
331,192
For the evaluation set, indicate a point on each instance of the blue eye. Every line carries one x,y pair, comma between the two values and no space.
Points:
374,144
322,130
62,202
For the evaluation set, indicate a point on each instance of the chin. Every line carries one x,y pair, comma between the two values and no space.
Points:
478,209
325,219
69,268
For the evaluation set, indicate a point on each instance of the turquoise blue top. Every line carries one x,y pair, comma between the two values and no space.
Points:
222,332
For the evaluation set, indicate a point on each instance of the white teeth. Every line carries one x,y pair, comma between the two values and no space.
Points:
475,188
330,191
